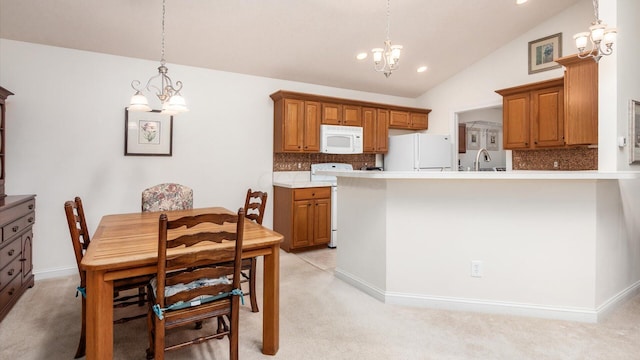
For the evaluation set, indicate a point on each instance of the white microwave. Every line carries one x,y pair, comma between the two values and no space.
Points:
336,139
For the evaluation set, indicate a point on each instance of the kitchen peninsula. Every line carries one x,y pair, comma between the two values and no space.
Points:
554,244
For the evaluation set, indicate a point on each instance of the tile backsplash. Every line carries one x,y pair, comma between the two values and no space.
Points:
303,161
568,159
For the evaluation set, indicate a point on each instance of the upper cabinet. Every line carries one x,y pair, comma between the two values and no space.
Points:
533,115
581,100
375,128
554,113
297,119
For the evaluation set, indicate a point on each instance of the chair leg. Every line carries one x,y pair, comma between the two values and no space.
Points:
150,333
142,294
83,332
233,330
159,331
252,286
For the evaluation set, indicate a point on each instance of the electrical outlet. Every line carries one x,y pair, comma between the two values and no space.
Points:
555,164
476,268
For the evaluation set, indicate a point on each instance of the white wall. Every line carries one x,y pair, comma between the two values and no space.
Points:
65,137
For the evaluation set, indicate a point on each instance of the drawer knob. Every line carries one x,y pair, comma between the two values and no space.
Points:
12,291
10,272
30,220
30,206
15,228
11,252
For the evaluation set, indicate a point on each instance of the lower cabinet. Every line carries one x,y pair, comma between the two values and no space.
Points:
17,216
302,216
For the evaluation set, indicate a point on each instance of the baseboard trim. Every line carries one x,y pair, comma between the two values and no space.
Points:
587,315
55,273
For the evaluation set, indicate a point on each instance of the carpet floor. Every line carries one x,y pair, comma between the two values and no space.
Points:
321,317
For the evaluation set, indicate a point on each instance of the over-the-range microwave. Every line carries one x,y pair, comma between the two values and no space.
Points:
336,139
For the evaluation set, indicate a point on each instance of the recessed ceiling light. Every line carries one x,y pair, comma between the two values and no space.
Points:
422,69
520,2
361,56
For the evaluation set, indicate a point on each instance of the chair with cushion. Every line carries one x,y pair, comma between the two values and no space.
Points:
167,197
189,287
81,239
254,207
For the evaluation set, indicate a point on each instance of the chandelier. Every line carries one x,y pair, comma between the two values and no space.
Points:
169,95
387,59
599,34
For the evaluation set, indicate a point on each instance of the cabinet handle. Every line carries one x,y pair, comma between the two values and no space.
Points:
30,206
11,291
30,220
15,228
10,272
11,252
535,143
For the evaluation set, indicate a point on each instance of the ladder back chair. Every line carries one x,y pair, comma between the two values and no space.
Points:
167,197
193,287
80,238
254,207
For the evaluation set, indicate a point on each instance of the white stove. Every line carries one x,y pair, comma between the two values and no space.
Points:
334,192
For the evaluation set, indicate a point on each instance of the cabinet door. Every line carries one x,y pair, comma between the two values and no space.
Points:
382,131
399,119
462,138
302,223
322,222
351,115
419,121
311,138
331,114
369,130
515,120
293,126
581,92
547,117
27,246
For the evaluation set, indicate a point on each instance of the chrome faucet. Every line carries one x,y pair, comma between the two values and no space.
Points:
487,158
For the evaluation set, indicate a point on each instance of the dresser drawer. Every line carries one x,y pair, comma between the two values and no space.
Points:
17,226
9,291
312,193
11,271
10,251
14,212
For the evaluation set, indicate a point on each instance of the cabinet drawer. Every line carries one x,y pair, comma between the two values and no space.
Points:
312,193
11,271
9,291
17,211
9,252
14,228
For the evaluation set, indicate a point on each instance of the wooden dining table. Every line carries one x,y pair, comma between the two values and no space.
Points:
126,245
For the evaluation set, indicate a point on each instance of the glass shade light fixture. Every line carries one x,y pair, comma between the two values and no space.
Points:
387,59
601,37
168,93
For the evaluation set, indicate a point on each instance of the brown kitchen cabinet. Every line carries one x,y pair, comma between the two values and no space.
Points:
408,120
581,100
462,138
303,217
296,126
533,115
331,114
17,216
375,128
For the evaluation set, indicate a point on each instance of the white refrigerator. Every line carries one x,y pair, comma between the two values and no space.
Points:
419,152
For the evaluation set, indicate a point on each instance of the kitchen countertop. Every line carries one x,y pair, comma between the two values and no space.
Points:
487,175
296,179
301,184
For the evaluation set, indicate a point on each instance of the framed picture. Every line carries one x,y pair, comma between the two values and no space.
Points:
148,133
492,141
634,132
473,139
543,53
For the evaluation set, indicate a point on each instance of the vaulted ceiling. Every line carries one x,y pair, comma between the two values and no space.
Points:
311,41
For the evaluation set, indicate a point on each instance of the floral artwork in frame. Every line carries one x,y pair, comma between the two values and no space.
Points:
492,140
543,53
148,133
473,139
634,132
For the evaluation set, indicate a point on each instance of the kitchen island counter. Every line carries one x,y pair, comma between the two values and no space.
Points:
551,244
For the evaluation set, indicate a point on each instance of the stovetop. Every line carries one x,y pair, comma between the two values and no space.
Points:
328,166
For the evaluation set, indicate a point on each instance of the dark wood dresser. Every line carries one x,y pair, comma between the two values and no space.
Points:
17,216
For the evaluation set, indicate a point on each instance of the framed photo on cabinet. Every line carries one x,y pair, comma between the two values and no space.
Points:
148,133
634,132
543,53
